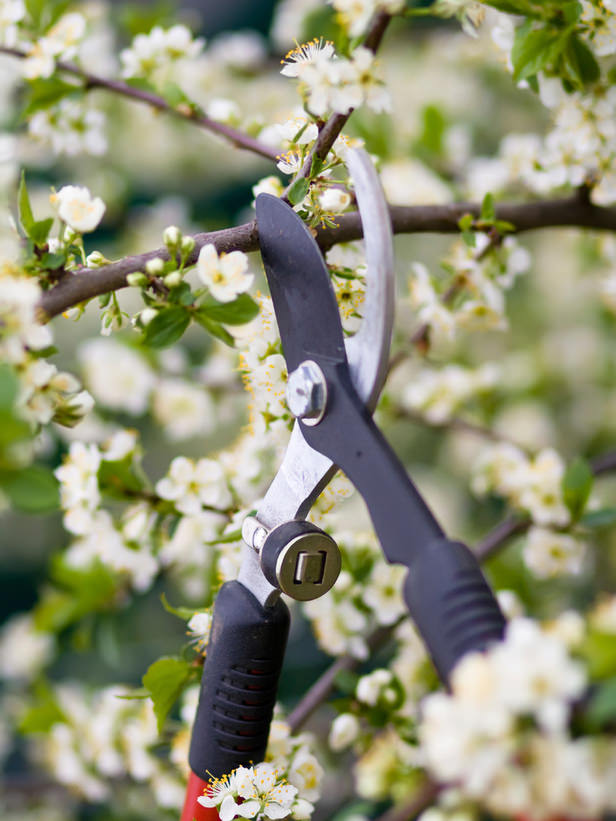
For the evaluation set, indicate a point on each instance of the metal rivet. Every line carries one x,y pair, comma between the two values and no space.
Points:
307,393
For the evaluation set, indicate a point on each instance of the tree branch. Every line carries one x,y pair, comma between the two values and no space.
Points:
237,138
86,283
456,424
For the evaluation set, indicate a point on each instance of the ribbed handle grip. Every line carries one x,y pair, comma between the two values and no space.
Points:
240,682
451,603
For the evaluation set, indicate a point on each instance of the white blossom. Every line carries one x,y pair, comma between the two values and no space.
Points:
437,394
225,275
118,377
158,49
12,12
61,40
383,592
71,128
78,208
79,492
549,554
372,688
190,485
183,409
334,201
19,325
24,650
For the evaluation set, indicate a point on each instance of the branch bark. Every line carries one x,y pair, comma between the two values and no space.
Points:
86,283
91,81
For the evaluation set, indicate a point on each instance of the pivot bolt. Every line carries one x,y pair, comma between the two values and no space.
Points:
307,393
301,560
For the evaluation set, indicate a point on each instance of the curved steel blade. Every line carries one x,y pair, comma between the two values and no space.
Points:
368,350
309,324
302,293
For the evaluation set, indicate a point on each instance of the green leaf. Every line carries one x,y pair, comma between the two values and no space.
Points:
599,650
599,518
215,328
316,166
39,233
238,312
576,486
602,707
184,613
182,294
43,714
165,680
509,6
141,84
12,429
346,681
137,693
44,13
23,203
9,387
44,93
534,49
488,209
78,592
434,125
174,95
53,261
465,223
119,478
140,18
580,65
33,489
167,327
571,12
298,190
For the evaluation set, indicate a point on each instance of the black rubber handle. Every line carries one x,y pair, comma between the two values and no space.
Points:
451,603
240,682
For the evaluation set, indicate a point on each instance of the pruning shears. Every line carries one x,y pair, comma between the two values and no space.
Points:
332,389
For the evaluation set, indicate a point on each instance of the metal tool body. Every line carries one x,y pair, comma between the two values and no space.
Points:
333,387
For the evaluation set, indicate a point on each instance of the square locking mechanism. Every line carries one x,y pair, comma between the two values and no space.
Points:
310,567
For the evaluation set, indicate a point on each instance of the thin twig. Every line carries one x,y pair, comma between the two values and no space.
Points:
456,424
86,283
334,125
604,463
323,686
416,805
183,111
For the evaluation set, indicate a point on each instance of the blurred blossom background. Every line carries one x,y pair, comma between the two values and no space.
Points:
512,383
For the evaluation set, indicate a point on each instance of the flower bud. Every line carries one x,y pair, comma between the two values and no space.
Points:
137,279
96,259
147,315
188,244
173,279
155,266
172,237
334,201
344,731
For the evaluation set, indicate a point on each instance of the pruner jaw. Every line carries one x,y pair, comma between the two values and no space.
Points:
368,350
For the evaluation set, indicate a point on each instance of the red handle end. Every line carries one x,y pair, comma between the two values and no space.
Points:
193,811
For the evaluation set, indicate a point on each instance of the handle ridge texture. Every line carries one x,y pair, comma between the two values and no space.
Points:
239,683
452,604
